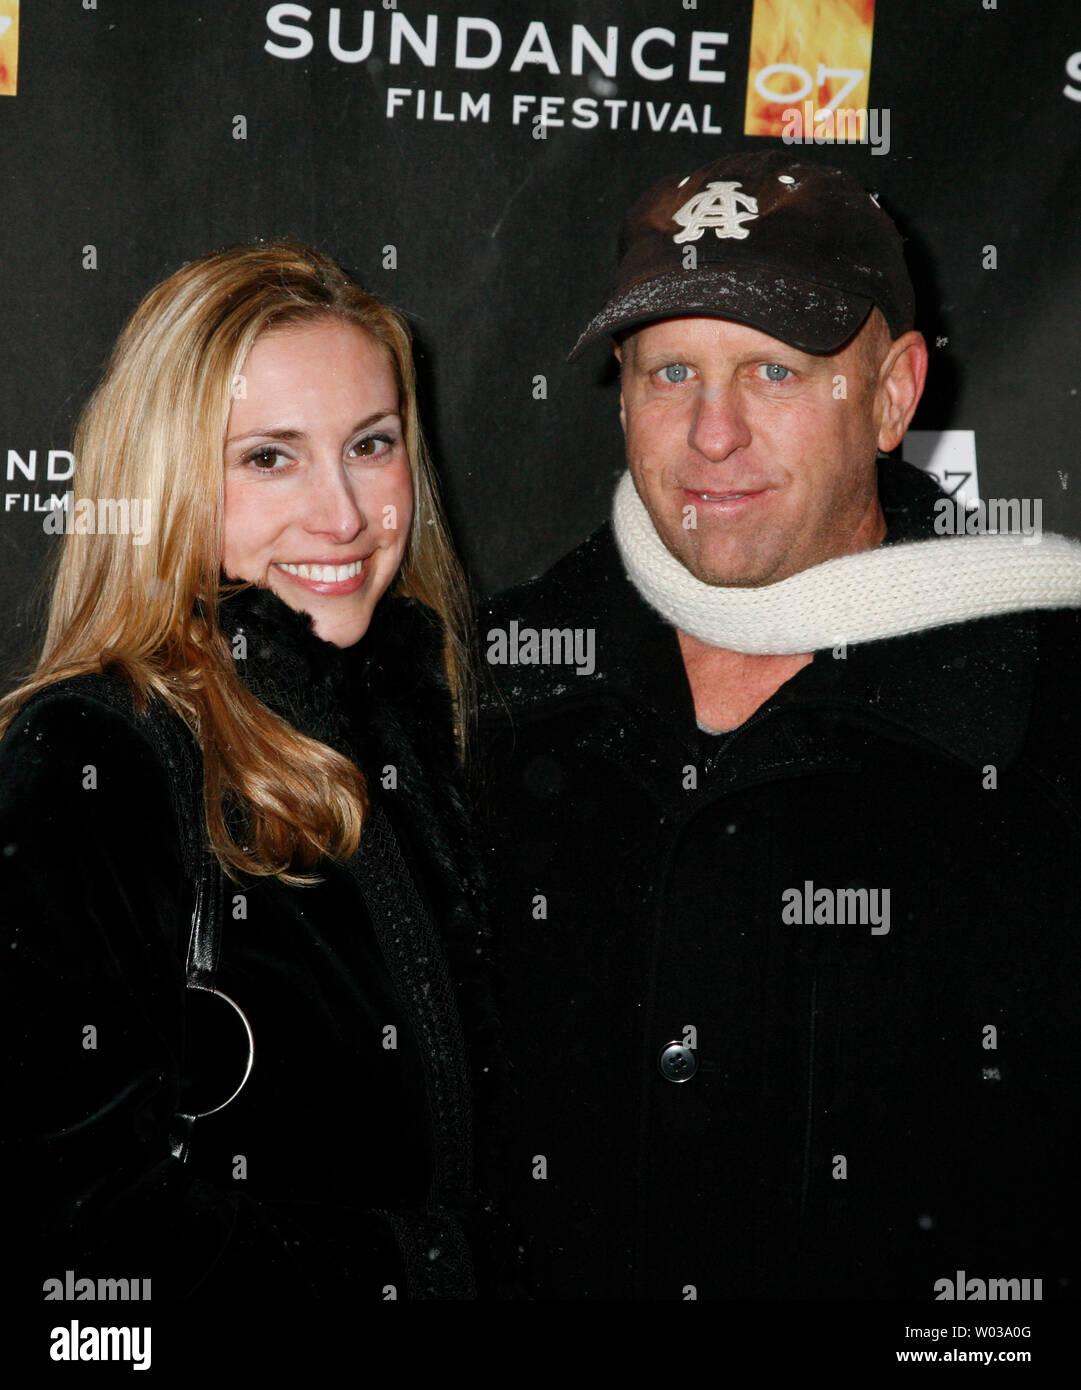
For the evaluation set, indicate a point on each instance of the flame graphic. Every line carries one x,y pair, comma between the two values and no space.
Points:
807,35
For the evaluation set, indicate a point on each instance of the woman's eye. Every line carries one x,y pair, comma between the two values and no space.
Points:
264,459
775,372
371,445
675,372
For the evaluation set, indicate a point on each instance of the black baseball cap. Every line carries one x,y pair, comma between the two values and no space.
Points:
799,251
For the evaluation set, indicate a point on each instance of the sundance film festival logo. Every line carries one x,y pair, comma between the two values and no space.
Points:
53,466
599,56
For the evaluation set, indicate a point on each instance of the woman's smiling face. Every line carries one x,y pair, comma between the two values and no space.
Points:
318,487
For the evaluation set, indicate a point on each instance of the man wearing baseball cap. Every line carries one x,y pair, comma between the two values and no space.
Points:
787,873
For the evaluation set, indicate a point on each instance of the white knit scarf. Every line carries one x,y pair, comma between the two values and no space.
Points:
855,598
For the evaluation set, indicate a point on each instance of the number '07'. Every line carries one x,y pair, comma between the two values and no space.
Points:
854,76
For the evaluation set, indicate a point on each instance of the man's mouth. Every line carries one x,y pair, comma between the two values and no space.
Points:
720,498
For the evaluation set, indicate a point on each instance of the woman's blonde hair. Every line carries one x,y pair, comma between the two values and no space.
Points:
155,428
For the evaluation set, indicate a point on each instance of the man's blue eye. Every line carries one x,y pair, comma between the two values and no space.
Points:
675,372
775,372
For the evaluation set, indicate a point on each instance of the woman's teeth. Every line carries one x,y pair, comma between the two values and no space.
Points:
324,574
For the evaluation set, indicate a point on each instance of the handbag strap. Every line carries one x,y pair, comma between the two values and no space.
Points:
204,943
178,752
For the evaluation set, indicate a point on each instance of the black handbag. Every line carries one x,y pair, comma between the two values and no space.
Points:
219,1046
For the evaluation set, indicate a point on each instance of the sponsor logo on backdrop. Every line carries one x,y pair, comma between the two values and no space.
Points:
950,458
64,513
9,47
809,73
605,59
40,467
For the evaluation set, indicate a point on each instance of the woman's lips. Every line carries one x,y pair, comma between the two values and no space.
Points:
320,578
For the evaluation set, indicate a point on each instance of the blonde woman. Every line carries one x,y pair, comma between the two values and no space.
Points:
239,907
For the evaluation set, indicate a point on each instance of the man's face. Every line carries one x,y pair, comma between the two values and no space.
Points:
754,460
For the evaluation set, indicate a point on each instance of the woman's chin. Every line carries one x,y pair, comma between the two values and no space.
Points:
333,621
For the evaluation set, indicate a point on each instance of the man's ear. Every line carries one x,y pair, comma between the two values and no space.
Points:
618,351
900,386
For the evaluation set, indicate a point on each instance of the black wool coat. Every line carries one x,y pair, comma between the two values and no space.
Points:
844,1111
344,1165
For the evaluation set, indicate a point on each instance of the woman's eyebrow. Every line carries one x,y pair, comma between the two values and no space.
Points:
272,432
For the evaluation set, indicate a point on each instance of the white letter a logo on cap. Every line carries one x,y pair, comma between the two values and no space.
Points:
716,206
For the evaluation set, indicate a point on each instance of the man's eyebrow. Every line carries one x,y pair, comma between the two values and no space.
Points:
781,353
289,435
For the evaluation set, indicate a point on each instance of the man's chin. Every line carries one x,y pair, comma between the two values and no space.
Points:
732,581
729,573
722,566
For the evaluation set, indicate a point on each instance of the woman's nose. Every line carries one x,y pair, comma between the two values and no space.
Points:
334,508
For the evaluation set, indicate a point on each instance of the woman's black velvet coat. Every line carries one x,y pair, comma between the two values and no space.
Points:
320,1178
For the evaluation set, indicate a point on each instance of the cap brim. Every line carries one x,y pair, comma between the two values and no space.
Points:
807,316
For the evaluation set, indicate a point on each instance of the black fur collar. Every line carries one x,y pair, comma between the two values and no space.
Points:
332,693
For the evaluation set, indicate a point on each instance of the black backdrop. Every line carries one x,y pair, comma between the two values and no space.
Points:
123,136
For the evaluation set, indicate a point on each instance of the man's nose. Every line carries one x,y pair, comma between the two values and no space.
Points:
719,426
333,506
